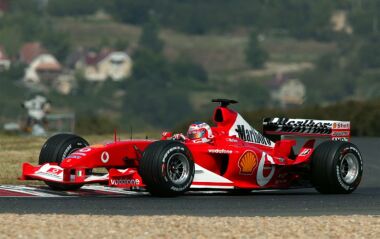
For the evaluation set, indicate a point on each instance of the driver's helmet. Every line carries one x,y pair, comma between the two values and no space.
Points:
200,131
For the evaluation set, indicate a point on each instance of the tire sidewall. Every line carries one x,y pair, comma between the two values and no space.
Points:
70,147
166,154
344,150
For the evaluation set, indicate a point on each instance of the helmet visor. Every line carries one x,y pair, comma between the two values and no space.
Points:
196,134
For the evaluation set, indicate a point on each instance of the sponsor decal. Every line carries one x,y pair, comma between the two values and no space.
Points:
105,157
298,126
220,151
247,163
85,150
80,152
341,125
97,146
198,171
77,153
54,171
340,139
66,152
305,152
261,179
75,156
252,135
231,140
340,134
50,172
244,131
124,181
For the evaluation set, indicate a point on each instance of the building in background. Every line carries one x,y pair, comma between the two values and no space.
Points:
287,92
42,67
5,61
29,51
108,64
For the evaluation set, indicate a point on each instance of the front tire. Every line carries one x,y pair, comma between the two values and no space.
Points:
337,167
167,168
55,149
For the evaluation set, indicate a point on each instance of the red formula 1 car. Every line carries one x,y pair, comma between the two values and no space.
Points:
237,158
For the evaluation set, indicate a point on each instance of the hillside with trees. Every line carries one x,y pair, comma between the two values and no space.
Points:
185,53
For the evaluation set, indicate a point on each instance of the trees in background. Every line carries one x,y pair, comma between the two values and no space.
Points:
154,94
299,18
21,27
255,55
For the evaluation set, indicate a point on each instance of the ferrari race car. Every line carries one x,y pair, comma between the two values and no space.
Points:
238,158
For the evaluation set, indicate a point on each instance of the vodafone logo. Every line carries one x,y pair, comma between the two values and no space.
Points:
105,157
261,179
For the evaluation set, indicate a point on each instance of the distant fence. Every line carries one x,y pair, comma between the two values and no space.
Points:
60,123
56,123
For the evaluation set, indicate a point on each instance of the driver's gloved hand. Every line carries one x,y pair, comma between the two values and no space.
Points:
179,137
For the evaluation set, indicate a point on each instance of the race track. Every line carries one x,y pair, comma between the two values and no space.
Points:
365,200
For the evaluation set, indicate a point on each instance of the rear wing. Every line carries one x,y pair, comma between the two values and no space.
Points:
336,130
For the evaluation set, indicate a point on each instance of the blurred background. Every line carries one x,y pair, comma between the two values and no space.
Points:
92,65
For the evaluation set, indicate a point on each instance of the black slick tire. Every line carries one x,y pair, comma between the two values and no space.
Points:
336,167
55,149
161,164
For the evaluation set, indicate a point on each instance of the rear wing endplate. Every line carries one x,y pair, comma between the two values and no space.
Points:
336,130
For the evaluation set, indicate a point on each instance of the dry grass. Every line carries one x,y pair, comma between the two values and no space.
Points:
92,226
15,150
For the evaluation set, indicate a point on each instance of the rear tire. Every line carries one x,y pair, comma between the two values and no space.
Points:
55,149
167,168
337,167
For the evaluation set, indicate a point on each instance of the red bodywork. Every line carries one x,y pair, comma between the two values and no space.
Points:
238,157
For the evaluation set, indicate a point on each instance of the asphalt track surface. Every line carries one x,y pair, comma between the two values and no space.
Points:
364,201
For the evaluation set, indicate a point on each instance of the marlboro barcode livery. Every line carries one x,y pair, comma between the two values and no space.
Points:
231,155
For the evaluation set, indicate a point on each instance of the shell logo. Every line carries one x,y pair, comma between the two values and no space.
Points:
247,163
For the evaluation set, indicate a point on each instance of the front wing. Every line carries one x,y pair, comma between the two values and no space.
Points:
123,178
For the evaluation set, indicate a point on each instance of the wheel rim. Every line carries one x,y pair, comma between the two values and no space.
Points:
349,168
178,168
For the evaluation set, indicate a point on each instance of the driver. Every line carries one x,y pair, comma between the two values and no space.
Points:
198,132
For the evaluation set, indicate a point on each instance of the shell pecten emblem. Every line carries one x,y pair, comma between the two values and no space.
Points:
247,163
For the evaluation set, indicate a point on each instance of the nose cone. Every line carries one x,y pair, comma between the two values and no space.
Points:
71,162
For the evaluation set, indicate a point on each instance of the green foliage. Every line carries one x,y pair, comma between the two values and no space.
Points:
369,53
302,19
365,17
16,72
149,38
255,55
153,97
74,8
255,94
155,105
151,67
130,11
90,123
186,70
21,27
120,44
22,6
